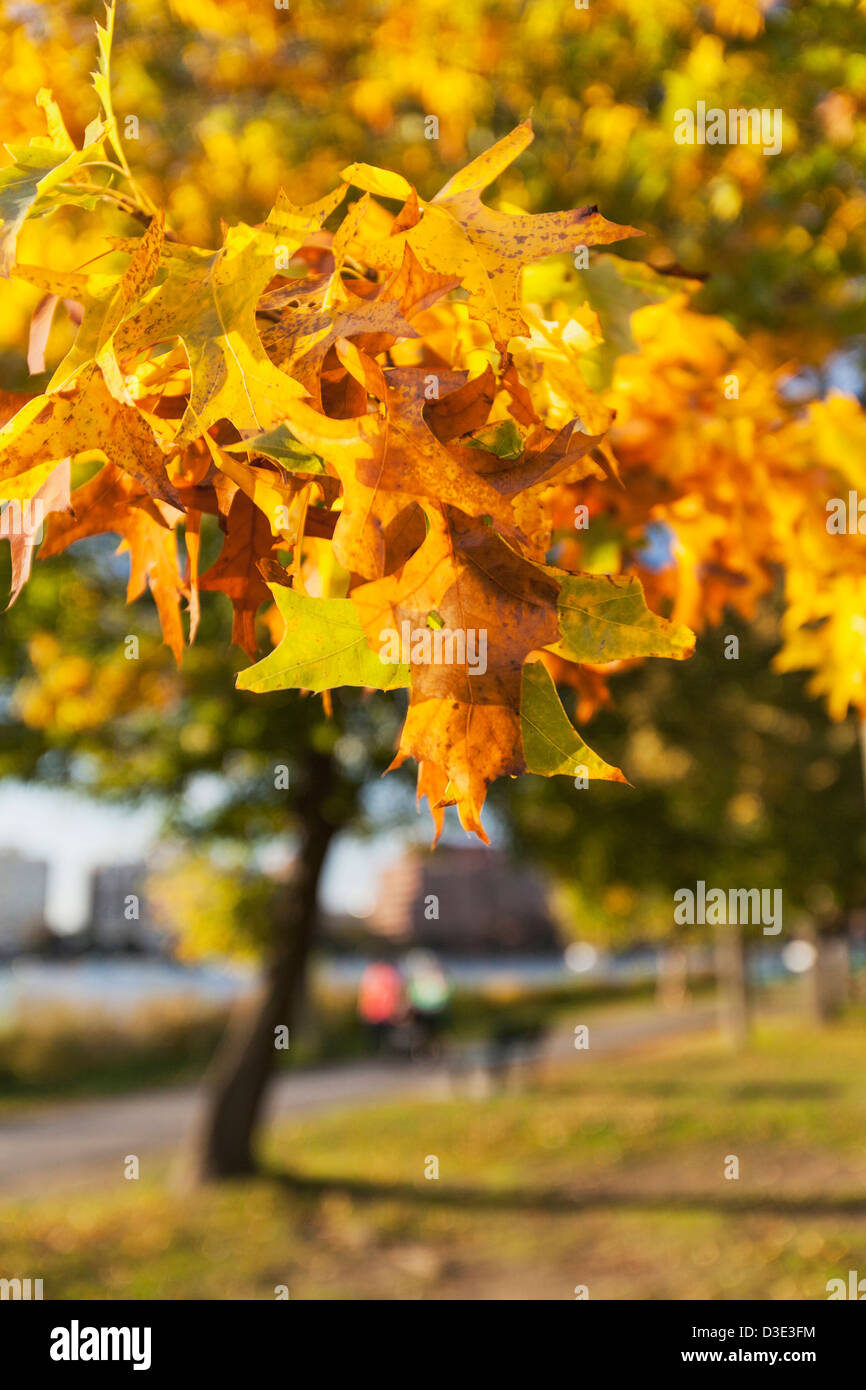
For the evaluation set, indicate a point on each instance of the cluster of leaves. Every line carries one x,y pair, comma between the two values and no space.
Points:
395,407
352,405
721,463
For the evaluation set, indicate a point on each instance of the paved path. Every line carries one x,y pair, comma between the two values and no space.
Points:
71,1143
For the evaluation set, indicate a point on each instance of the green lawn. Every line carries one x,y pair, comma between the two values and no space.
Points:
607,1172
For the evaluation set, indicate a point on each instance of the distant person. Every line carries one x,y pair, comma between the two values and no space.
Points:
381,1002
429,993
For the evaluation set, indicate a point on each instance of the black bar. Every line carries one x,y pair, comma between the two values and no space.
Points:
259,1339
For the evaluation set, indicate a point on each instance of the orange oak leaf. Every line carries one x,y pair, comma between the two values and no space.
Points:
490,608
87,420
236,570
113,501
458,234
388,461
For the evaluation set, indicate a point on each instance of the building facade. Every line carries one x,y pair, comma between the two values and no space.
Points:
119,916
464,901
23,884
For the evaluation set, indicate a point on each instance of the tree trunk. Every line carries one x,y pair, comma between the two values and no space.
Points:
224,1146
672,978
831,976
732,984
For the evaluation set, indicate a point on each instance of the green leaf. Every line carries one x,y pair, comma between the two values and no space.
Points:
615,288
604,617
551,744
209,300
502,438
323,646
102,78
29,186
280,444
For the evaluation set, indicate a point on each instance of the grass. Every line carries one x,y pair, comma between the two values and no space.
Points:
607,1172
57,1052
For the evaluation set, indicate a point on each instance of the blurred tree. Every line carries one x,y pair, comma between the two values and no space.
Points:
74,710
739,780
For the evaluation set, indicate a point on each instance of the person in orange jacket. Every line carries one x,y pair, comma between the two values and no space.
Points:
381,1002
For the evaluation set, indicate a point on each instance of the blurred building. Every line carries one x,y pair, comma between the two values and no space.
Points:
464,901
23,885
119,916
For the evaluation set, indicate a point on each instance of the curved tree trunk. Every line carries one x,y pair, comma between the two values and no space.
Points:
224,1145
732,984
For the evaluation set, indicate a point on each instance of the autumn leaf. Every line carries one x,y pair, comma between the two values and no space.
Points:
605,618
208,300
323,646
112,501
457,234
52,496
551,746
493,608
105,303
102,78
501,438
30,185
306,331
385,461
280,445
236,570
89,420
615,289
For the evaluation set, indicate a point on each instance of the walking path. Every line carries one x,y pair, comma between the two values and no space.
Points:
68,1143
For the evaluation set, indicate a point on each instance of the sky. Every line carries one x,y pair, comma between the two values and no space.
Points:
75,835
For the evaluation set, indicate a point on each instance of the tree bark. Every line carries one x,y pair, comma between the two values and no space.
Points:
830,975
224,1146
672,979
732,984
